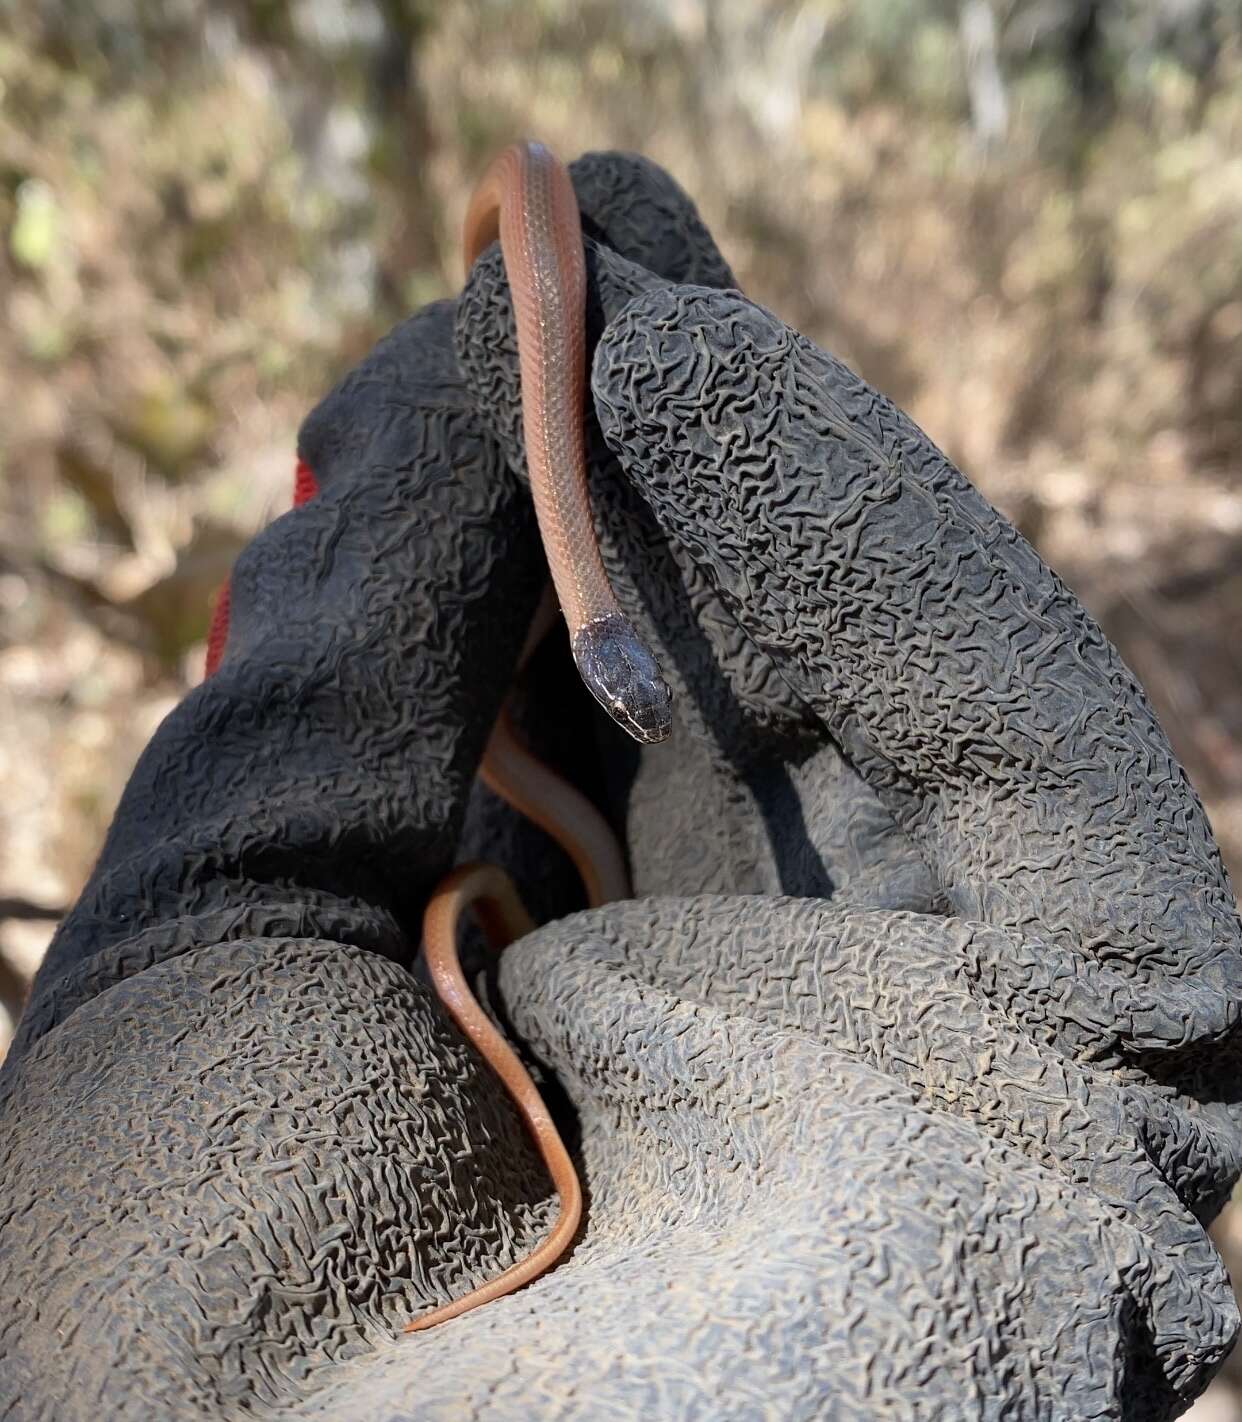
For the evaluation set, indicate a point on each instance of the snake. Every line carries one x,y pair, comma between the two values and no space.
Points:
526,200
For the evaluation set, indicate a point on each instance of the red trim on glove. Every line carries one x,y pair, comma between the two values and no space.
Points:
305,487
218,633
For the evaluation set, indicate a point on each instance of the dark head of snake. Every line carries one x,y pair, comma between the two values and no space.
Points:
624,678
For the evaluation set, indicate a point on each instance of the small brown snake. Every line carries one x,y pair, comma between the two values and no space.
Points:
527,200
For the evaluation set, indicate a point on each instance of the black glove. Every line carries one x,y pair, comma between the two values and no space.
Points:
918,1105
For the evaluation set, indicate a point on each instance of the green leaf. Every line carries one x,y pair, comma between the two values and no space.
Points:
37,223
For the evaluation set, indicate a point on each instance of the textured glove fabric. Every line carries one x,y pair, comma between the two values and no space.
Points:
904,1088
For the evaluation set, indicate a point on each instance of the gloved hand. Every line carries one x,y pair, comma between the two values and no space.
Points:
914,1102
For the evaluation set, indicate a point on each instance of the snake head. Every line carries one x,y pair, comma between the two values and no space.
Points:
624,677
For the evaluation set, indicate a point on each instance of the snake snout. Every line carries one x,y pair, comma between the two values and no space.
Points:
624,677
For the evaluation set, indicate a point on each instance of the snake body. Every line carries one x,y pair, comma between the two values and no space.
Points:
527,200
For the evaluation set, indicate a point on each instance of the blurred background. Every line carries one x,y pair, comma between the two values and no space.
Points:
1021,219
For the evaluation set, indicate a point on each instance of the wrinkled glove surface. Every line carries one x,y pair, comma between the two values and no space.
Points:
904,1088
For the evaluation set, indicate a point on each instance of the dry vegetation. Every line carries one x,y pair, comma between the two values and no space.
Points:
1023,221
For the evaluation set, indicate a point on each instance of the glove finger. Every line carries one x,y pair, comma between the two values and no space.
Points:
959,676
316,782
634,207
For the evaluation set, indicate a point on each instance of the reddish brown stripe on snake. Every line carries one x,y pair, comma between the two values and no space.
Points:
527,199
489,891
510,771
